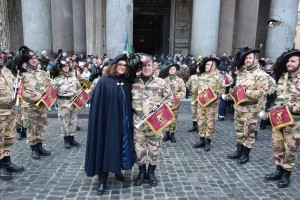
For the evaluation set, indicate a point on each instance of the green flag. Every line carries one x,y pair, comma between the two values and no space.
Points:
127,48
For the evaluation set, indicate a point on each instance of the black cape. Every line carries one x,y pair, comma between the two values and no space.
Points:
110,129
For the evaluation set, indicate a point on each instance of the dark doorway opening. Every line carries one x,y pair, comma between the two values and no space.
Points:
151,26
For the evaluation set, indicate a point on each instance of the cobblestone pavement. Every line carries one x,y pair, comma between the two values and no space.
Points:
183,172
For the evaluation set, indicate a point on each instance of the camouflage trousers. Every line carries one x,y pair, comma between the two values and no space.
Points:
246,121
68,117
147,147
36,124
285,142
194,112
207,117
173,126
19,121
7,132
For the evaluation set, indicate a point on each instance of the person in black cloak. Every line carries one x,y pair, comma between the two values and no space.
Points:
110,129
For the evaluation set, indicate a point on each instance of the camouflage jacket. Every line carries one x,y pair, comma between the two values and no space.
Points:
6,88
35,83
191,84
66,84
215,81
289,92
272,87
255,83
177,86
146,95
156,73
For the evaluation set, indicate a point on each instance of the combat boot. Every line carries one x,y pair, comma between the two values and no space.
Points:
19,135
67,142
4,174
285,179
207,144
275,175
141,176
102,182
35,153
166,137
151,175
11,167
237,154
255,133
73,142
120,177
194,127
172,138
245,155
200,144
263,124
42,151
24,132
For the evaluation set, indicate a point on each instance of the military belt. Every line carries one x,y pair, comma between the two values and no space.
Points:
5,107
64,97
248,103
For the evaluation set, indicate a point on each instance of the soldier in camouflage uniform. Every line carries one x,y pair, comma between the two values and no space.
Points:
67,86
147,91
208,115
286,140
155,68
35,83
177,87
7,122
191,85
246,114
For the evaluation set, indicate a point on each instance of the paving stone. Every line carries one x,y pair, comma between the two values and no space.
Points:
183,172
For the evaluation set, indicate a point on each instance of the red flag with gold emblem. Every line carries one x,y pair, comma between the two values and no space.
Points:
227,81
238,95
206,97
160,118
50,97
175,102
280,117
81,99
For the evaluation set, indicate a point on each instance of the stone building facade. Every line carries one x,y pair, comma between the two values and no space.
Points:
198,27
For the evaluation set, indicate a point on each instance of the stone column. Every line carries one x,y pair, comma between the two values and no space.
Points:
246,26
282,35
95,27
205,27
119,20
37,30
226,27
79,26
62,25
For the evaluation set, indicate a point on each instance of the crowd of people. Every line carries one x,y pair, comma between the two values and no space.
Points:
127,90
